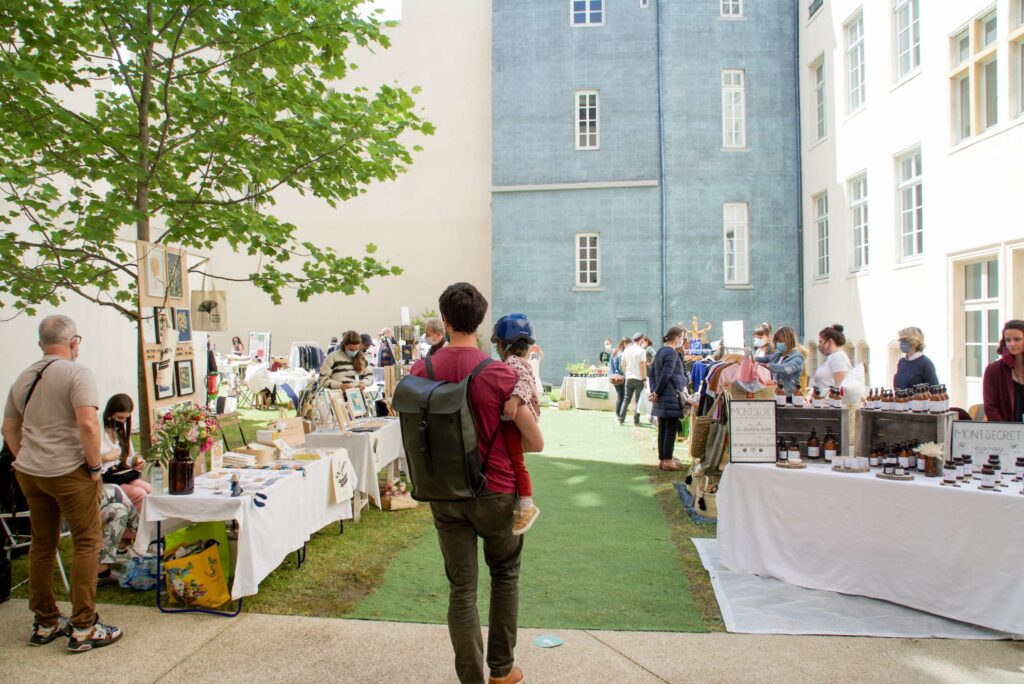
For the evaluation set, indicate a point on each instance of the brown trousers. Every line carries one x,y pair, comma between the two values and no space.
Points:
75,497
458,525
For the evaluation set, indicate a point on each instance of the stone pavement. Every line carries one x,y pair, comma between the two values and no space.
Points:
272,648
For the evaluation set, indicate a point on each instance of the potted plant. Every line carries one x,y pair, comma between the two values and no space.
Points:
183,433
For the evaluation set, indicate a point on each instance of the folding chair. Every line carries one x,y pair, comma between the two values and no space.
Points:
227,420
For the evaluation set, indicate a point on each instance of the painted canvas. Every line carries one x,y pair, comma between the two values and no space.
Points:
156,272
174,275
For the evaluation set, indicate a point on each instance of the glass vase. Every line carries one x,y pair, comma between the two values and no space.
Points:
181,473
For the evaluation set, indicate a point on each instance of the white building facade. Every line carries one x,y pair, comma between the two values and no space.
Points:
912,147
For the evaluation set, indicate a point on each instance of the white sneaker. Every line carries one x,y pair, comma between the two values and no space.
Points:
93,637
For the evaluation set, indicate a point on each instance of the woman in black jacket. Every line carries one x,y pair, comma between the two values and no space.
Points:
667,378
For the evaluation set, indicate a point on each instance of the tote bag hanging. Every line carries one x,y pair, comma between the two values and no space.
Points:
209,309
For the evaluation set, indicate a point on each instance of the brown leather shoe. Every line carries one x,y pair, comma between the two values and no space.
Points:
668,465
516,675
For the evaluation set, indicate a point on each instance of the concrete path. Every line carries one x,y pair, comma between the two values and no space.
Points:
270,648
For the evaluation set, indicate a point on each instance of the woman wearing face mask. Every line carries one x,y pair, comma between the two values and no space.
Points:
667,378
763,348
347,368
837,364
1003,383
120,465
787,361
605,356
914,368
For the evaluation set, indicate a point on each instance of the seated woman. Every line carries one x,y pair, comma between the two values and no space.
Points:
914,368
116,456
119,522
787,361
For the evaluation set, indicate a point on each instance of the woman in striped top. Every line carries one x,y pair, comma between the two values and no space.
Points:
347,368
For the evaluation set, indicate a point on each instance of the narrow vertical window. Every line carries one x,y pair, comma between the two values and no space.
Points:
587,110
734,120
820,104
736,243
586,12
821,227
908,36
859,209
911,204
1019,76
587,260
989,26
962,107
855,58
989,98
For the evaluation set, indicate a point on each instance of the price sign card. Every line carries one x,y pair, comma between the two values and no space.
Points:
752,431
981,440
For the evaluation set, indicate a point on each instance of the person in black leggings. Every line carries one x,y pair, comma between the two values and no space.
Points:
667,379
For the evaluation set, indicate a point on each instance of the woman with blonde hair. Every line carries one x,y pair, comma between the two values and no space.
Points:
914,368
787,361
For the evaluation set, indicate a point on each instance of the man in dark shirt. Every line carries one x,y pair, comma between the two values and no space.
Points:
490,515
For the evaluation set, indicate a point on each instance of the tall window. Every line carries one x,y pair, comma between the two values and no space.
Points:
1018,77
734,105
908,36
989,95
586,120
732,8
911,204
855,59
859,209
587,260
737,244
586,12
962,107
981,314
821,224
820,107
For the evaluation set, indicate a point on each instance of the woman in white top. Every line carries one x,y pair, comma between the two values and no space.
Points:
116,453
763,347
837,364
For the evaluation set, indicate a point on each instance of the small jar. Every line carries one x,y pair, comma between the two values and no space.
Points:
959,464
949,473
889,468
987,479
922,461
968,466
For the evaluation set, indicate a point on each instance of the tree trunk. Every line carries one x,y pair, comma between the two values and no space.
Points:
142,228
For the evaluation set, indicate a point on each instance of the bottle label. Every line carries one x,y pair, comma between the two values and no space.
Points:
794,455
813,452
780,399
830,454
920,465
904,461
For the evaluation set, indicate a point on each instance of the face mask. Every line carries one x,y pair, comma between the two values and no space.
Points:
351,354
607,347
823,349
780,347
758,342
905,347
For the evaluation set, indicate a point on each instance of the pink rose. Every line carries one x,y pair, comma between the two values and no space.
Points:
192,435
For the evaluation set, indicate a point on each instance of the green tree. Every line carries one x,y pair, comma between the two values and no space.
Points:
175,121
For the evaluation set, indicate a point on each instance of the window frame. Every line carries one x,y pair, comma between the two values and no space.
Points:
588,11
738,4
913,30
730,136
962,125
855,55
861,221
593,262
985,81
822,241
596,144
988,305
914,183
739,223
820,99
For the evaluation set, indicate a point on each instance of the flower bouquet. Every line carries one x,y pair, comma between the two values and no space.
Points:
182,433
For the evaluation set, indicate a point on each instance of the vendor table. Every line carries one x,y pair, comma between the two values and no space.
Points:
296,506
955,552
575,391
369,453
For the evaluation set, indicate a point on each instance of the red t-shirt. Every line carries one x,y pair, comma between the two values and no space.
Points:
488,392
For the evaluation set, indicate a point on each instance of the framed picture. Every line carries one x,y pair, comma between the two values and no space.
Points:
163,379
174,286
752,431
259,346
161,323
185,374
340,408
156,272
356,402
183,323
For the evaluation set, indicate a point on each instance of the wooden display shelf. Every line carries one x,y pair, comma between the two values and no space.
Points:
796,423
892,427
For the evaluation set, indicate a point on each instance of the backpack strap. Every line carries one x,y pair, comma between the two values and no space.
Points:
32,388
494,435
430,369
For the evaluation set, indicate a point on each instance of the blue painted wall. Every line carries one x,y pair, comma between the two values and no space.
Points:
539,61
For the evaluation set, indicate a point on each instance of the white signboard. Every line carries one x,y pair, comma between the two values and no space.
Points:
342,477
732,335
406,318
981,440
752,431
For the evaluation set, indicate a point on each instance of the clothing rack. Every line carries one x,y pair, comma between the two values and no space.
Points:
307,355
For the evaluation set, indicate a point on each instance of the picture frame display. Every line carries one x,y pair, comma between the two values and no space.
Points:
356,402
156,272
175,289
162,322
259,346
163,384
185,377
183,323
340,408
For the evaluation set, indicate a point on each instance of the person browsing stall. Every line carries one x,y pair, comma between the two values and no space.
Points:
1003,382
837,364
786,362
606,354
347,368
914,368
667,380
237,347
615,377
634,369
120,464
763,346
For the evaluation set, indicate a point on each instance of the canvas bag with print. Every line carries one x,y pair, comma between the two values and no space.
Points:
209,309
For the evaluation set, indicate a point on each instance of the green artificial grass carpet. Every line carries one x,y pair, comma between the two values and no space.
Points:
600,555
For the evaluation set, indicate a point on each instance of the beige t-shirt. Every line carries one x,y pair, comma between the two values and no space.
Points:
50,444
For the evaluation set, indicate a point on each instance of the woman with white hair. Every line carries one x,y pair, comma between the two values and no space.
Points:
914,368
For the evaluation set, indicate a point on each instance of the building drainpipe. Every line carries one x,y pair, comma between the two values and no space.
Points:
799,173
661,180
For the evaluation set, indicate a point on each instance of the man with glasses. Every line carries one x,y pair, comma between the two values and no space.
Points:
51,426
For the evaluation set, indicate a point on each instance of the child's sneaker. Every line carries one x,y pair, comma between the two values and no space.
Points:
44,635
93,637
525,517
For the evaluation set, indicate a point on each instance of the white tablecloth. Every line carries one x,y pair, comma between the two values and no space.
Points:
296,507
575,390
368,451
296,378
955,552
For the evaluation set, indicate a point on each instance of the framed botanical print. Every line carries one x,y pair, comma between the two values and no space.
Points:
156,272
161,323
174,275
185,372
183,323
356,402
163,380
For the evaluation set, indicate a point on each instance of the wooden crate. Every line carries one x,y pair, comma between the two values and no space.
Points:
796,423
891,427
